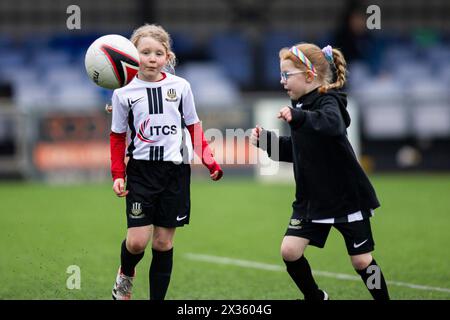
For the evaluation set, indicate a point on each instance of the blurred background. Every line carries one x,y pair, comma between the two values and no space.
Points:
52,124
57,208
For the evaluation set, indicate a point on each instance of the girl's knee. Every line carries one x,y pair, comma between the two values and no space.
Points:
290,252
136,246
162,244
361,261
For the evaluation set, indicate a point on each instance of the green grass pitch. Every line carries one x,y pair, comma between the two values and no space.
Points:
45,229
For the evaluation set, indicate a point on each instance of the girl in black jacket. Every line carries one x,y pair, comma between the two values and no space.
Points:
331,187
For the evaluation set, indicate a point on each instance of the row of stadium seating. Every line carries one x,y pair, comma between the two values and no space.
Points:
48,72
247,63
220,45
391,109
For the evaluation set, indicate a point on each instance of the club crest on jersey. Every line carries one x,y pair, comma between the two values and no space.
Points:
171,95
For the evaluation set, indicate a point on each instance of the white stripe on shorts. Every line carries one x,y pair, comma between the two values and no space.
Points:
352,217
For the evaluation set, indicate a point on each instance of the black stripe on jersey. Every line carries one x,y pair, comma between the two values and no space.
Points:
131,147
150,101
152,108
160,100
183,135
152,152
155,101
180,110
156,153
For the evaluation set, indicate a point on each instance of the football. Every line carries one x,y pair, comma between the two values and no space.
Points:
112,61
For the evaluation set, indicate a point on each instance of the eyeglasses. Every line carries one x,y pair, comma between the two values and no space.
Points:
285,75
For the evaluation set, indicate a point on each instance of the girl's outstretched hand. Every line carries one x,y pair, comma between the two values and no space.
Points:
254,137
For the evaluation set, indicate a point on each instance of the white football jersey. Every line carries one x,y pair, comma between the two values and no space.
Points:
155,116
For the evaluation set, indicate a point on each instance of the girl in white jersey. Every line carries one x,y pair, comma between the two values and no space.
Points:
156,111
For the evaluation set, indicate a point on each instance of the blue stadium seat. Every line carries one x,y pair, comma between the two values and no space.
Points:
32,96
12,57
78,96
66,74
234,53
182,44
410,71
359,75
6,41
397,54
380,90
36,42
443,73
74,43
273,42
47,58
19,75
210,85
438,55
425,91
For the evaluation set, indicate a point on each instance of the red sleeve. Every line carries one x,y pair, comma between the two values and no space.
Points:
201,148
117,143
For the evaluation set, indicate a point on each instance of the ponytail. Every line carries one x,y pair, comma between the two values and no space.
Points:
341,72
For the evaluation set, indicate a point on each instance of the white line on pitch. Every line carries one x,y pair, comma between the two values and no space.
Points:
274,267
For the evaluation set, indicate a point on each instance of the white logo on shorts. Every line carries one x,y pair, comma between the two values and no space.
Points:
136,208
181,218
355,245
295,224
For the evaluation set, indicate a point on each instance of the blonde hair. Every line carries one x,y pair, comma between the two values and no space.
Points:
159,34
323,69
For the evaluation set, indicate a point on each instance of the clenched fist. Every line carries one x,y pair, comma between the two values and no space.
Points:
285,114
254,137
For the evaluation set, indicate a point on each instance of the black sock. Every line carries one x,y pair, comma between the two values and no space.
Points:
374,281
160,272
300,272
128,260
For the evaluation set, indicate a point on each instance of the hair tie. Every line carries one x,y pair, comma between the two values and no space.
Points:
328,52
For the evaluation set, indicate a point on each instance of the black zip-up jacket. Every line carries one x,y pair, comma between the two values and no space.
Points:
330,183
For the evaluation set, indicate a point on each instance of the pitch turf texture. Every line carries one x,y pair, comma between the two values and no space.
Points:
45,229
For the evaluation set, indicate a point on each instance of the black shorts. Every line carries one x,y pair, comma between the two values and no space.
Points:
357,234
159,193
